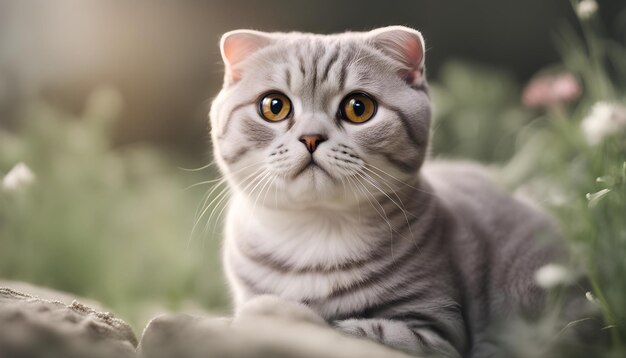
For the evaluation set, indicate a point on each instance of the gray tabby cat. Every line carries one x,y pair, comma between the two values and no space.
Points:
323,140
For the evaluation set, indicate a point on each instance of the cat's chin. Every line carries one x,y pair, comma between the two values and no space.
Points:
312,185
312,178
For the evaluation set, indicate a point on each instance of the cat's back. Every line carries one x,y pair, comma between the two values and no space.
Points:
499,243
471,193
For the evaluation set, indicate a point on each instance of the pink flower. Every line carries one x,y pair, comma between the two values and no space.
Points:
548,90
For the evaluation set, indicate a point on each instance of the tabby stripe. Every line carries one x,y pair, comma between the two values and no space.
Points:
372,279
228,121
254,288
288,78
265,259
407,126
375,254
406,167
257,133
301,61
316,58
361,332
334,57
422,87
231,159
421,340
485,278
407,222
342,77
232,111
420,320
378,275
375,310
379,331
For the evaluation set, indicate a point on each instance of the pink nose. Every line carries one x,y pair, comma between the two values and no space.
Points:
312,141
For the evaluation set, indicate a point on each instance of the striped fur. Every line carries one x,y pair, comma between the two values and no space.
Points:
414,256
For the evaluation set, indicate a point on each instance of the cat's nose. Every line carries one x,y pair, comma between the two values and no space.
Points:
311,141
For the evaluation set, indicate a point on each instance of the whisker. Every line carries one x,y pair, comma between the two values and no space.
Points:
205,206
401,207
400,181
205,199
198,169
255,179
356,198
261,181
209,205
219,215
374,197
213,211
258,180
266,180
221,177
273,179
361,187
204,211
276,195
383,215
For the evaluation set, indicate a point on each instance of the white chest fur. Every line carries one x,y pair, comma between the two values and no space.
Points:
310,243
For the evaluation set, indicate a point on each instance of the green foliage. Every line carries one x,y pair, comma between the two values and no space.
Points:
108,224
549,156
114,224
476,105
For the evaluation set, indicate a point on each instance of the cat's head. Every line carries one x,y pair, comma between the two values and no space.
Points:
321,119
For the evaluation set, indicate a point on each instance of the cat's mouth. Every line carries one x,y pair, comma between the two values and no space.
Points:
311,166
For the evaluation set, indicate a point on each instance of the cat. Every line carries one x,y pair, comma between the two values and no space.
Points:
323,140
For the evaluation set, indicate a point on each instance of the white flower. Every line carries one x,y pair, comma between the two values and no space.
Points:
605,119
552,275
594,198
590,297
586,8
19,177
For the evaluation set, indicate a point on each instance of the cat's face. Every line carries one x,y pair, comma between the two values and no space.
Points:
312,120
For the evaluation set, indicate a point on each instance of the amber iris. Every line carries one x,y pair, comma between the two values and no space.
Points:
274,107
358,107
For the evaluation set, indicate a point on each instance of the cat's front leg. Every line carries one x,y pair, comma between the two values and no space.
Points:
398,334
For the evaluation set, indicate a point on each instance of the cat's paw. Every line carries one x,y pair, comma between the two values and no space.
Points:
274,306
395,334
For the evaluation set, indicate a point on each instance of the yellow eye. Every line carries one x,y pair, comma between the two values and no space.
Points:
358,107
274,107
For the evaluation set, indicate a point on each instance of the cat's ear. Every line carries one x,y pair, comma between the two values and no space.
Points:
238,45
404,45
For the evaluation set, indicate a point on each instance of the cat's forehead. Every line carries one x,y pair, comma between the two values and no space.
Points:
310,50
318,67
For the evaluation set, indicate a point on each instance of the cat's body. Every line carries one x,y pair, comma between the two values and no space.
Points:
340,214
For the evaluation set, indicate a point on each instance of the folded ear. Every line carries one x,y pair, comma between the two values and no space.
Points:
404,45
238,45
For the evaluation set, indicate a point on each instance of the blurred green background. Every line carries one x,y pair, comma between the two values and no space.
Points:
106,102
163,56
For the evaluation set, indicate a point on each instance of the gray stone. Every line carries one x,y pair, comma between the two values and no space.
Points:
268,327
34,327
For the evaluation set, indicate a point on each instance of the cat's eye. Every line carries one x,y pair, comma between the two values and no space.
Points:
274,107
357,107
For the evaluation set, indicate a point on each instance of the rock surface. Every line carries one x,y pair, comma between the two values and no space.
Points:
266,327
35,327
48,325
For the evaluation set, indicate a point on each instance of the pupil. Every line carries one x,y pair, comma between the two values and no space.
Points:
276,105
358,107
